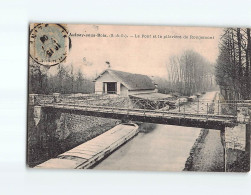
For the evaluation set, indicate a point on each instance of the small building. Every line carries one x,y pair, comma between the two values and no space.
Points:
123,83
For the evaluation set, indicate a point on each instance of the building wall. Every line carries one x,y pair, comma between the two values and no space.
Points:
118,88
106,77
98,87
123,90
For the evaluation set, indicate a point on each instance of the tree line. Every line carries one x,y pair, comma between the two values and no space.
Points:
64,81
190,73
233,69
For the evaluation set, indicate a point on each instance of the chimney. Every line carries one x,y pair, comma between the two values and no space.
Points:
108,64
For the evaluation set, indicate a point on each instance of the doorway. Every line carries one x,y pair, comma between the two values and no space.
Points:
112,88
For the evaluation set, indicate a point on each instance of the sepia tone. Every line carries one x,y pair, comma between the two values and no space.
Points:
151,98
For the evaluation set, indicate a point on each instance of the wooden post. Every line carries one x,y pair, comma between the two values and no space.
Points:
223,140
218,107
33,99
207,110
236,109
56,97
198,106
247,145
179,105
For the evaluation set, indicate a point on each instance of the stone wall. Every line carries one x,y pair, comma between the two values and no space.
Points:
72,123
56,132
235,137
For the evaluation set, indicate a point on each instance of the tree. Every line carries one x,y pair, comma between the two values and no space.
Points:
190,73
233,64
38,79
79,81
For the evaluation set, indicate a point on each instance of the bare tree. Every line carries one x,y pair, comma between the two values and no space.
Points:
233,64
190,73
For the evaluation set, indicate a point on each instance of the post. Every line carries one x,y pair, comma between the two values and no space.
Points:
207,109
184,111
33,99
247,144
37,113
56,97
223,140
74,102
218,107
198,106
179,105
236,109
248,129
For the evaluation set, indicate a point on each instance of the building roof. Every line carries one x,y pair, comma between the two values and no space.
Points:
130,80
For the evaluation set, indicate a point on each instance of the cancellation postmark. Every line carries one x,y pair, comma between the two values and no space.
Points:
48,44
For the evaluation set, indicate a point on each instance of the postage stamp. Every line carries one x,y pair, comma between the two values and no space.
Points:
48,43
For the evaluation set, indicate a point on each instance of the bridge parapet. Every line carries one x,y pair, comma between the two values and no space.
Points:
33,99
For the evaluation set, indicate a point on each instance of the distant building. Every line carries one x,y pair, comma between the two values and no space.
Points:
123,83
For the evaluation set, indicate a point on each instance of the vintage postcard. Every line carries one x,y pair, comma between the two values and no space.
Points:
142,98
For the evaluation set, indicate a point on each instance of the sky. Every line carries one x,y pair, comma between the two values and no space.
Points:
142,49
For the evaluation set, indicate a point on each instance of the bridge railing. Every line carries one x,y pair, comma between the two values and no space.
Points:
182,105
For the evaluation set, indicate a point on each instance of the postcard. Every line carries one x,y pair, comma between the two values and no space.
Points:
139,98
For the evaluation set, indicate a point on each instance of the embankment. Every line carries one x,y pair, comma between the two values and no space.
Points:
58,132
238,161
198,145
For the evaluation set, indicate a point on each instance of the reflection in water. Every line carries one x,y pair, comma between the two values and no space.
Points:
166,148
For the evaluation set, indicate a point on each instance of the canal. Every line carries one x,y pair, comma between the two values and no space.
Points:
164,148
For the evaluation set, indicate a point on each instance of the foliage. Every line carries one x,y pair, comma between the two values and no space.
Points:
65,81
233,69
190,73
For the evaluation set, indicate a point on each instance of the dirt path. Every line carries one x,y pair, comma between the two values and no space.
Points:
209,156
208,152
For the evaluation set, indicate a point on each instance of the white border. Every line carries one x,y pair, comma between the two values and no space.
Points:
15,178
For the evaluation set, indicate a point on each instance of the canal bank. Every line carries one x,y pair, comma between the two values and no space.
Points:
207,153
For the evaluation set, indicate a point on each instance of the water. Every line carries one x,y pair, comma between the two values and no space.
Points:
166,148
